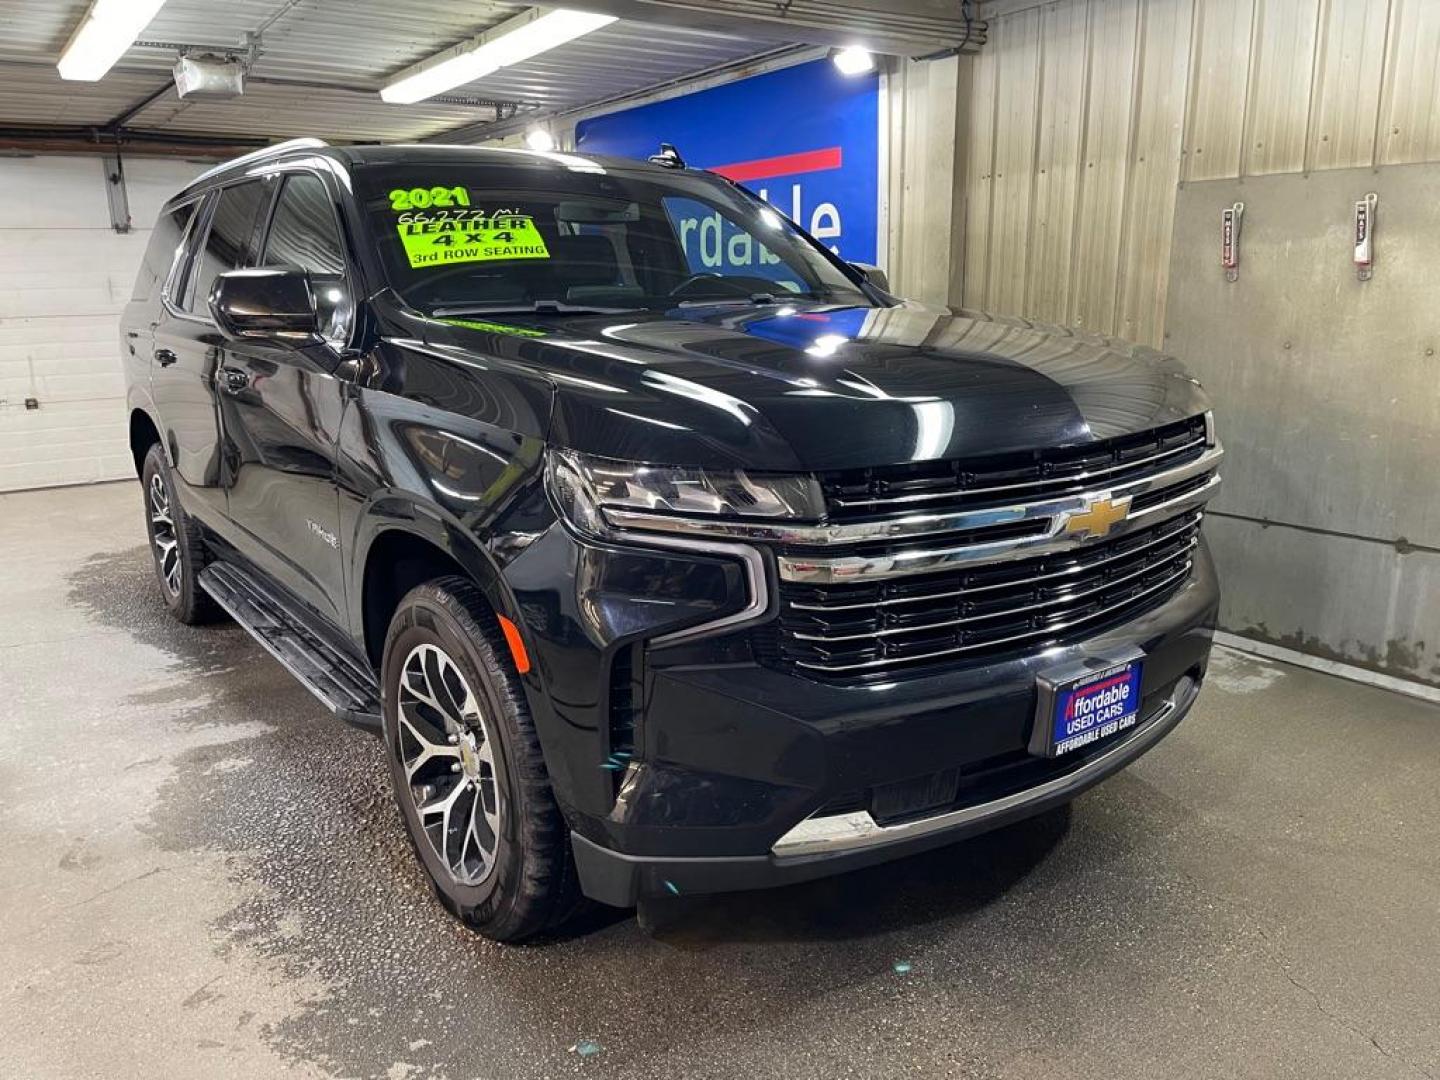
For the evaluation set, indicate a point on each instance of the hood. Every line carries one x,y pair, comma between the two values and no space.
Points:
814,387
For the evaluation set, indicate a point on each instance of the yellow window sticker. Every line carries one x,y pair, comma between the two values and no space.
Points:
440,241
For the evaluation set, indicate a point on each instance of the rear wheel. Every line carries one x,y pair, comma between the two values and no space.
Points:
467,768
175,543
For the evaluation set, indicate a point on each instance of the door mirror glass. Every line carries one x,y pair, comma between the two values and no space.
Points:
873,275
267,304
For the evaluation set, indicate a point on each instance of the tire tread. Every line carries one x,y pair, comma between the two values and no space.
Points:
194,606
549,891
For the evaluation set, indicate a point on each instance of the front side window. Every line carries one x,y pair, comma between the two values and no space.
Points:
495,236
304,234
229,245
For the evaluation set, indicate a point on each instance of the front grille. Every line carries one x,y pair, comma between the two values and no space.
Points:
938,563
865,627
1003,479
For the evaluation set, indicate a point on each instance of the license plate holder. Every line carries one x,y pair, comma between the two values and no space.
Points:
1087,702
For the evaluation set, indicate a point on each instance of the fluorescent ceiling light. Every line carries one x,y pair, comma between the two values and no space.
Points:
544,33
512,42
446,75
537,138
108,29
853,60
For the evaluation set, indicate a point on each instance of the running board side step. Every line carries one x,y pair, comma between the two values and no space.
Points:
343,685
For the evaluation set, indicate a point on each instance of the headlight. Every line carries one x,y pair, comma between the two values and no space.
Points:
586,487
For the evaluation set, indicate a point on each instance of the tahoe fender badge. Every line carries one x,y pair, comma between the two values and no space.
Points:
324,533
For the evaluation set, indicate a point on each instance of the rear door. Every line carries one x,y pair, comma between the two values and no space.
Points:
165,255
281,406
187,346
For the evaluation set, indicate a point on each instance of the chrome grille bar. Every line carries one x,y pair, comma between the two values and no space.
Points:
1070,571
847,568
892,631
957,650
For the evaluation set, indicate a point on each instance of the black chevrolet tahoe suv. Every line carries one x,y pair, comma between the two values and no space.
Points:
666,552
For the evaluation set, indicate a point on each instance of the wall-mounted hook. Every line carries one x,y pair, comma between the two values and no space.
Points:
1230,219
1365,236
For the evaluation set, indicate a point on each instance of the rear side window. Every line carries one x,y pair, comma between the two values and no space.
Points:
230,244
164,249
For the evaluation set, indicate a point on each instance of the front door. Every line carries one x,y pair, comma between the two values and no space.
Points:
186,346
280,411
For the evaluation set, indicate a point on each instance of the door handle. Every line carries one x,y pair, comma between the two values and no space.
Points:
165,357
233,380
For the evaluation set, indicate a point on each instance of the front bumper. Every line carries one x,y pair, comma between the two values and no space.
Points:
822,846
742,775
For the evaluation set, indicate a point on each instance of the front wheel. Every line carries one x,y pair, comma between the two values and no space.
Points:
467,768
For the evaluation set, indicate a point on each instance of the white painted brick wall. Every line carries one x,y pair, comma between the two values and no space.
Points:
65,275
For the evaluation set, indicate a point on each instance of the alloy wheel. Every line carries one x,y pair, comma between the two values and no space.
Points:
445,747
162,534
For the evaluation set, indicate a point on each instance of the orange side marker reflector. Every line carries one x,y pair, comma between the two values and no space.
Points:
516,643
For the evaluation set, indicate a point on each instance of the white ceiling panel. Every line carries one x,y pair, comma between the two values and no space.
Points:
34,94
283,112
321,62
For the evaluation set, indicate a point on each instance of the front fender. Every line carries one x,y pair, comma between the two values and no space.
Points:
388,512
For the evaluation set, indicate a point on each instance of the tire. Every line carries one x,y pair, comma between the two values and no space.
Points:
455,715
176,545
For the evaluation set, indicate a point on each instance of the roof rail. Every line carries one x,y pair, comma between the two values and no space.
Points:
261,154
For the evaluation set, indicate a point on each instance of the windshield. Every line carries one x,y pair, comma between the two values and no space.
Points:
459,237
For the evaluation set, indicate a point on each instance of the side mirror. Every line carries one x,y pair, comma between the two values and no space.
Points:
266,304
874,275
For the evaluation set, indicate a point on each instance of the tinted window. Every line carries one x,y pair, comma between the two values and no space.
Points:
304,233
230,243
466,236
714,244
163,249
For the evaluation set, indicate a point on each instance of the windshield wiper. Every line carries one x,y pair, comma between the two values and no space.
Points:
534,307
759,299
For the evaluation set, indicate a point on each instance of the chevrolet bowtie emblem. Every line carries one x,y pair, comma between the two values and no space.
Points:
1098,518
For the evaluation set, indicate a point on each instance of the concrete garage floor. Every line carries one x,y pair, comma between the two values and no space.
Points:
204,876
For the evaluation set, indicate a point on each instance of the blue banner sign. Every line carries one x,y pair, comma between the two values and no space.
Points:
804,138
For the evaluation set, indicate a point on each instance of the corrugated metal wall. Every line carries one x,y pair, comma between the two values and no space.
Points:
921,136
1105,137
1086,114
1327,531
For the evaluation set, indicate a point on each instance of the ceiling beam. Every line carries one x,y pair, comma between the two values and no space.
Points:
80,139
994,9
894,27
